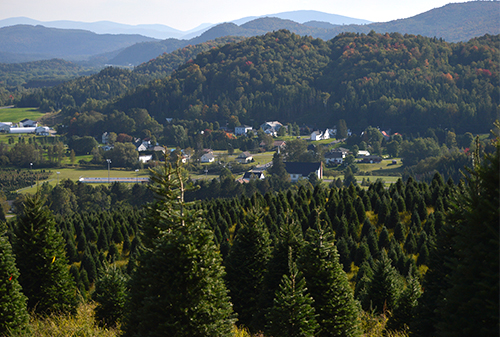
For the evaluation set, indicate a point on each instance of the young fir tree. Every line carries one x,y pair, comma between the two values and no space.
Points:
405,307
384,287
178,287
245,266
292,314
110,294
328,285
13,311
290,236
42,262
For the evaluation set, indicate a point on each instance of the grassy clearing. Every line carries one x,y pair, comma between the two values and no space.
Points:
15,115
76,173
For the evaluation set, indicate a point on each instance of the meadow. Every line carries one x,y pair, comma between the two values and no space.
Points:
15,115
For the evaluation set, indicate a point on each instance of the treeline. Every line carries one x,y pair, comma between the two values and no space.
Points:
31,152
12,180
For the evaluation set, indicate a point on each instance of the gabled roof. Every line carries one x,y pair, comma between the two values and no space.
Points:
334,155
253,175
245,154
208,155
303,169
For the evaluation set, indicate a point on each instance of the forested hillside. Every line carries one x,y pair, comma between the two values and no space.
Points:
407,83
110,82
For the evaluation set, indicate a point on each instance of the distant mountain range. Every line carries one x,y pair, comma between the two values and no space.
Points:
158,31
453,22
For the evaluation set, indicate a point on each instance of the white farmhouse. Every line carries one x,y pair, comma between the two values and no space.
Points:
242,130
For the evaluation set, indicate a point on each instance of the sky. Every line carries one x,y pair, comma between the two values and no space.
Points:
188,14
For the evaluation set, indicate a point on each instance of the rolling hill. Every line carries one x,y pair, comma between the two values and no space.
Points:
453,23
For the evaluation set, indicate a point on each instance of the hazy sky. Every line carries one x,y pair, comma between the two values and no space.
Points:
187,14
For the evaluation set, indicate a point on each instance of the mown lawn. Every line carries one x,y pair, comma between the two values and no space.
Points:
15,115
76,173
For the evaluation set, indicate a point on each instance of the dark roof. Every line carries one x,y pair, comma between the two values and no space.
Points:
301,168
254,175
334,155
245,154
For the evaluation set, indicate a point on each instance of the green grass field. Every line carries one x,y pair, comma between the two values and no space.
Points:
76,173
15,115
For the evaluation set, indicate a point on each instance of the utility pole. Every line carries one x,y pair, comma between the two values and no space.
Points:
109,162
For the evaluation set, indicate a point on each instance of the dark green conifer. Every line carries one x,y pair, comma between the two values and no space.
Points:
42,262
178,287
102,240
384,287
328,285
110,294
470,305
405,308
292,314
399,232
245,266
290,235
383,239
344,254
410,245
13,311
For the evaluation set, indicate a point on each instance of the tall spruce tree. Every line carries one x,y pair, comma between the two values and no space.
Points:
42,262
328,285
178,287
13,310
245,266
470,305
384,287
292,314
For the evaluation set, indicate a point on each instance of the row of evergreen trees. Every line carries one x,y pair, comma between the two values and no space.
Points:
291,260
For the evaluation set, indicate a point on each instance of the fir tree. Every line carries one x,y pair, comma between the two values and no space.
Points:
471,305
245,266
292,314
290,236
383,290
13,311
177,288
406,304
110,294
42,262
328,285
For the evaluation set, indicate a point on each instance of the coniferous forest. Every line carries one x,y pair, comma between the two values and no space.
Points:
414,259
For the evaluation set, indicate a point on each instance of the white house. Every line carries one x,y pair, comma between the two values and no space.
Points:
363,153
242,130
298,170
336,157
207,158
271,128
5,126
146,158
251,175
42,130
244,157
